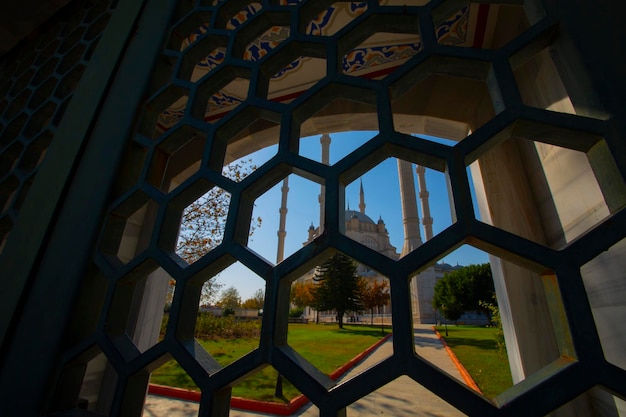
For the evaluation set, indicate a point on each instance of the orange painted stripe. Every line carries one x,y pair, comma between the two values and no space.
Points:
466,376
358,358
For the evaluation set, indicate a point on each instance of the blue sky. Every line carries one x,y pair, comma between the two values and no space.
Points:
382,198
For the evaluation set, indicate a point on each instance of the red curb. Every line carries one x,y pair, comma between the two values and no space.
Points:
267,407
358,358
178,393
466,376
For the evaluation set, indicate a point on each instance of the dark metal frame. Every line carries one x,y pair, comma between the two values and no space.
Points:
50,254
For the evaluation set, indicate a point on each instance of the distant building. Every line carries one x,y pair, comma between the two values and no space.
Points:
361,228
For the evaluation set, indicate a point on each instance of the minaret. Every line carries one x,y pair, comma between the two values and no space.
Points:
362,200
410,217
427,221
282,231
325,141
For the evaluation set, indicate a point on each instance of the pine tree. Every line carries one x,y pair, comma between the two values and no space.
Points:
338,287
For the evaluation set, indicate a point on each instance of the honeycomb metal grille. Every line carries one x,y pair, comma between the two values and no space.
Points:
211,81
38,80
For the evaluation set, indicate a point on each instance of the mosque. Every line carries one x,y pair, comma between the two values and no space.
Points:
374,234
114,115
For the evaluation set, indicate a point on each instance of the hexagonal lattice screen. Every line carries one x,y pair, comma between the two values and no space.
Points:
37,81
281,111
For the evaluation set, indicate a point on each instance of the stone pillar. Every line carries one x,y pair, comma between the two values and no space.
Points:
325,142
507,200
427,221
410,217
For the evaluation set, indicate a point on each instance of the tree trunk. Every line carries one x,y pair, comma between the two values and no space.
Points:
372,316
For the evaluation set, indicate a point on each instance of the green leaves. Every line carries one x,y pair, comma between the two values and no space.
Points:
463,290
338,287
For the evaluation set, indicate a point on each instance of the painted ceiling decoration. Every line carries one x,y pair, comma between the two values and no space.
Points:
454,30
374,58
334,18
266,42
245,14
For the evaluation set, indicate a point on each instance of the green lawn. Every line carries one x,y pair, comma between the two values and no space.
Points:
476,349
325,346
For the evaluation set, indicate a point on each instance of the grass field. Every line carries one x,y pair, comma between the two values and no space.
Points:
325,346
476,349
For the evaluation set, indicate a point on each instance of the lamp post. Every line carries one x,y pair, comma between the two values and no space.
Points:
445,321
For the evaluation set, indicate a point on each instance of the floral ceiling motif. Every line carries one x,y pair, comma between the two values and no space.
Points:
361,61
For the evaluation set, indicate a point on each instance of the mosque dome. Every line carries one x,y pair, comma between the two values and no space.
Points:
353,214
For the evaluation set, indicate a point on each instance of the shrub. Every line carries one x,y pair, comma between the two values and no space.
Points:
296,312
496,321
166,317
209,326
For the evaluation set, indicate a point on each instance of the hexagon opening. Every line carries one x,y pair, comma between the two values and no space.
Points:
287,84
288,230
548,196
334,18
202,225
457,297
340,299
404,192
379,54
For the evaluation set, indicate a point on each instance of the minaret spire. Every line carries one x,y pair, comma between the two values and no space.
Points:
362,199
427,221
325,142
282,231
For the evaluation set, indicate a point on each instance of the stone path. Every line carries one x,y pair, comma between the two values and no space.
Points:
402,397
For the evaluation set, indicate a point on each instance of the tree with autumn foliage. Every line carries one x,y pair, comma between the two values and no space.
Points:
202,223
256,301
302,294
374,294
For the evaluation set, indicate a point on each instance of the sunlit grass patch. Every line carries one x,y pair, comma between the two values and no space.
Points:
477,349
325,346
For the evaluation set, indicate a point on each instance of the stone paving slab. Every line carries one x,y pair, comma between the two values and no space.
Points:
402,397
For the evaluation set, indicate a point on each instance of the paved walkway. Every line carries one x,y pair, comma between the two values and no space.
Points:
402,397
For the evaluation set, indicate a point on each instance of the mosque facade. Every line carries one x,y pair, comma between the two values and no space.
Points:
361,228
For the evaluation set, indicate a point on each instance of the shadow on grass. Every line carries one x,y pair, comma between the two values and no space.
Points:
364,330
479,344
